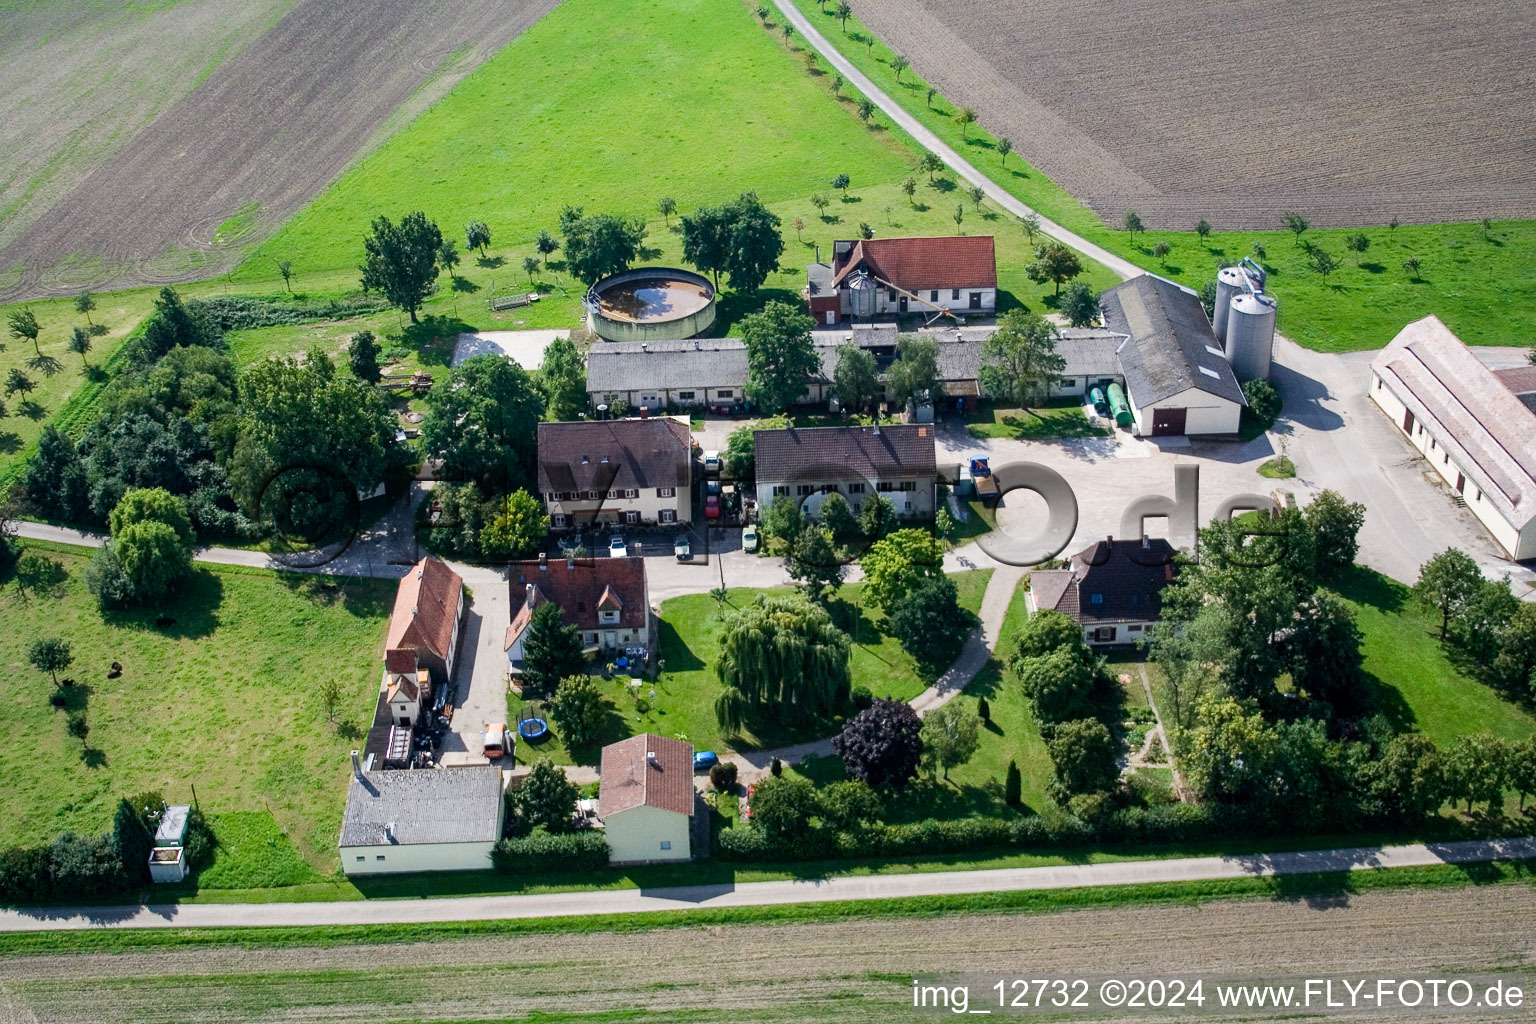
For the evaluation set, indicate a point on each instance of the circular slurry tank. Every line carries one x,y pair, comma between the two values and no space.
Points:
651,304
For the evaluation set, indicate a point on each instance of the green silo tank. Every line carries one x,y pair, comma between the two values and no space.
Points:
1119,406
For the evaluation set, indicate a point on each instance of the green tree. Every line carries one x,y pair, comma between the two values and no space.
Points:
896,564
909,189
959,213
740,451
848,804
1032,226
1203,229
23,324
1515,661
837,84
51,654
79,728
782,520
844,11
132,841
1047,631
55,476
1407,781
174,324
1131,222
1296,224
1411,265
881,745
1053,262
899,64
929,622
547,245
85,304
1079,304
331,695
977,195
153,505
1013,785
448,258
579,710
1083,758
740,238
784,807
547,799
1229,752
780,355
552,651
363,357
1522,768
821,202
837,518
1161,251
483,423
1020,358
965,118
781,656
1324,262
1058,685
855,377
930,163
877,517
477,236
1263,401
841,183
915,371
1335,524
1479,624
285,270
80,344
530,267
666,206
1447,582
517,528
865,110
1325,657
1358,242
1004,147
600,244
950,735
401,260
562,380
707,240
813,564
152,558
17,382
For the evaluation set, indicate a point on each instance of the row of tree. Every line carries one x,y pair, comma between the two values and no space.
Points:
1483,619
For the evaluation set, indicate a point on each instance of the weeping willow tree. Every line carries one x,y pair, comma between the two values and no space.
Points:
781,655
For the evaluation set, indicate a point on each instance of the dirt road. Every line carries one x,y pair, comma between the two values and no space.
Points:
854,970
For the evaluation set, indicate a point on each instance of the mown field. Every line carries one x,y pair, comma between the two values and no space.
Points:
222,696
1475,279
853,962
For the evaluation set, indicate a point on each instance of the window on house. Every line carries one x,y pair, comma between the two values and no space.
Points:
1133,628
592,495
856,506
615,494
1096,599
803,489
360,858
557,521
906,506
780,490
669,515
856,488
1447,460
1378,383
908,485
884,485
1479,494
608,618
611,397
666,844
725,393
933,296
631,517
1068,382
379,857
666,492
685,396
631,492
955,294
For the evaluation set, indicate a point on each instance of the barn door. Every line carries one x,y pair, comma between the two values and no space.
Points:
1167,421
1408,421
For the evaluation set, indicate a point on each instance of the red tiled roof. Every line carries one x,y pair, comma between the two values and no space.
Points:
578,589
1519,379
631,779
401,661
426,605
951,261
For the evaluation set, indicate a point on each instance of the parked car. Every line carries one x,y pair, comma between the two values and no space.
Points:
712,487
682,549
704,760
712,462
498,741
712,507
616,548
749,540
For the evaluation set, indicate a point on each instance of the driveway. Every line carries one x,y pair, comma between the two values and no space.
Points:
480,677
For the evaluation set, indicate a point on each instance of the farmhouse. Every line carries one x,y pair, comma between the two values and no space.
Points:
430,819
646,799
605,599
1472,426
896,462
1177,379
1112,588
616,471
429,604
893,276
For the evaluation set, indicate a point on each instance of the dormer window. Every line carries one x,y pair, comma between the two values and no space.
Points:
608,618
1095,598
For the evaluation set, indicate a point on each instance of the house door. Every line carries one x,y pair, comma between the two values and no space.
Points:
611,639
1167,421
1461,483
901,304
1408,421
975,300
831,316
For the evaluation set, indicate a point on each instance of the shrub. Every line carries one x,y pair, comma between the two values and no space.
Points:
881,744
84,866
929,621
540,850
1263,400
24,875
243,312
1013,787
723,776
199,844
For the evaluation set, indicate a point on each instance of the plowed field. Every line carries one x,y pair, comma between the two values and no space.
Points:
849,971
1351,111
180,193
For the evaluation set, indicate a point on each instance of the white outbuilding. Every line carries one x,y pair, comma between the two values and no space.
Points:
646,799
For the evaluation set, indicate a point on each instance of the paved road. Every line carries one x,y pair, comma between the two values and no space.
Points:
751,894
954,160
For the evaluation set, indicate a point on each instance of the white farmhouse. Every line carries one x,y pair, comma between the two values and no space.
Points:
646,799
616,472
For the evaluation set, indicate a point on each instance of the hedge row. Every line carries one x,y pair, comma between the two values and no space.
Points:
1170,824
545,851
244,312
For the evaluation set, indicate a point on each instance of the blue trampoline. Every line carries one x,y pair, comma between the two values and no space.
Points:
532,729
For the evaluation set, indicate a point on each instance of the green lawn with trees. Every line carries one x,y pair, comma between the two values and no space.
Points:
1474,278
223,687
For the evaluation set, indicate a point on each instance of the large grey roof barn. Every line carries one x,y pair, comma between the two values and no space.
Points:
1171,347
423,806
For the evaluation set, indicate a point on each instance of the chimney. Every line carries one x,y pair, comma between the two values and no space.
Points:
389,831
645,347
543,562
357,767
650,758
528,591
584,460
420,572
570,561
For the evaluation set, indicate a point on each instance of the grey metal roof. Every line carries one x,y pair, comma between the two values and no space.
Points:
424,805
1170,340
659,365
868,453
1089,352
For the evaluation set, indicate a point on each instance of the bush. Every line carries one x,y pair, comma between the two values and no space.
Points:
861,698
1263,401
199,844
105,578
540,850
84,866
723,776
24,875
929,621
243,312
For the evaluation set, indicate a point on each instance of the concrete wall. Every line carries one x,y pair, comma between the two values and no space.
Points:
385,860
1205,413
1425,438
637,835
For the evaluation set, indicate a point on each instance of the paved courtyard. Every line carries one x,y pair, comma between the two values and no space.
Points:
526,348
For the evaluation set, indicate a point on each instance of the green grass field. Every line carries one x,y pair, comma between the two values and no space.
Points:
1476,281
1046,423
223,699
685,690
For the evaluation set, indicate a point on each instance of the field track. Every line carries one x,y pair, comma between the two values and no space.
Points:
267,130
1352,112
852,970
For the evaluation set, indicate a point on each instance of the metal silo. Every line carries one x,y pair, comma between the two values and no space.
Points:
1230,283
863,295
1251,335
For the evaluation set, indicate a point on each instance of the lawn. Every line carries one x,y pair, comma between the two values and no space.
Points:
1416,684
1477,281
222,699
685,690
1044,423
